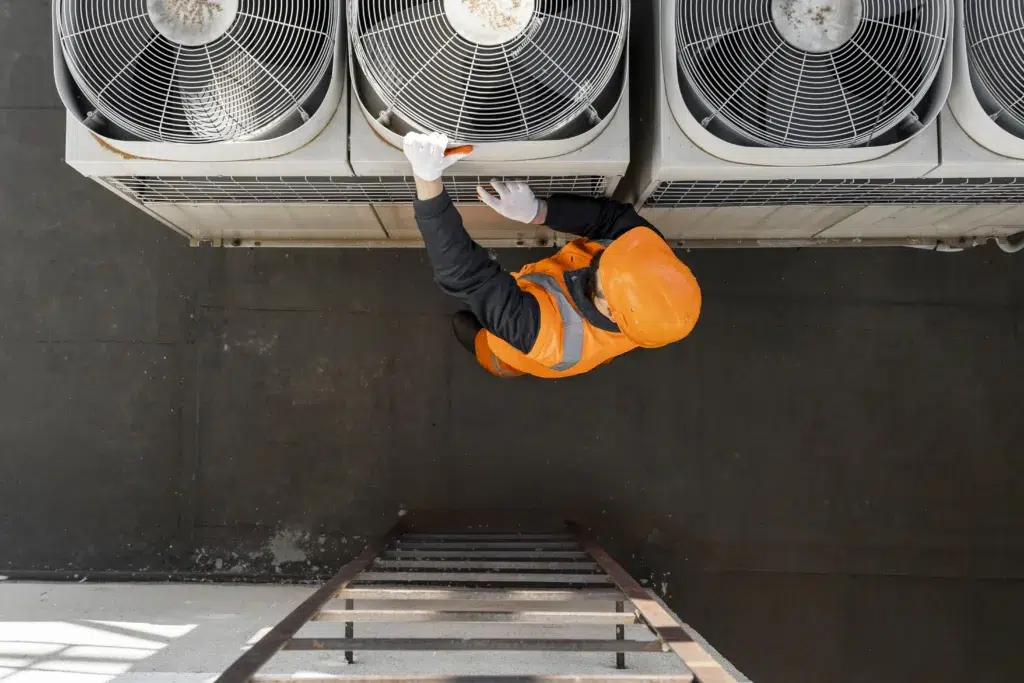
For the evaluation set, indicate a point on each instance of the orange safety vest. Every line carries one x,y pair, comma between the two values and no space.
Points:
567,344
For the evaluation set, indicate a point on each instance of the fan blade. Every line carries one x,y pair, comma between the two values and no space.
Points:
435,74
701,26
388,49
886,9
224,107
559,62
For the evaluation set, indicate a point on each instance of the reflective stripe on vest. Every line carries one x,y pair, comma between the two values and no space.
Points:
498,369
572,322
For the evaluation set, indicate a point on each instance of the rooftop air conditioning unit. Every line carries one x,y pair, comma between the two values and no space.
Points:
539,87
225,119
982,130
761,109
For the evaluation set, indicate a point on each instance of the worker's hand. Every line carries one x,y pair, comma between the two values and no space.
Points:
515,200
427,155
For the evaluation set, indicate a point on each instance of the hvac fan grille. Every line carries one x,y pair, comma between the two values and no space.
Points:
995,44
255,63
810,73
326,190
774,193
683,194
528,87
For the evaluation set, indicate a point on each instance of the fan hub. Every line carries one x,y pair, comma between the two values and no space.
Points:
817,26
489,22
192,22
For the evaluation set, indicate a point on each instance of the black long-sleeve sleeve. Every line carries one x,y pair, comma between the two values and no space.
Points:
595,219
466,271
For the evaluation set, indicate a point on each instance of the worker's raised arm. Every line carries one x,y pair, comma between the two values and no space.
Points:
462,268
595,219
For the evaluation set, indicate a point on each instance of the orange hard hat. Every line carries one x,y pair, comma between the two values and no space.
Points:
653,296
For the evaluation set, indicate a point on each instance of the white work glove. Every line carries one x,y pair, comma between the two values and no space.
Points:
515,200
427,155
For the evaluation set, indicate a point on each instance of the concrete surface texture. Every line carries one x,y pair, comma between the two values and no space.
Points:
826,479
188,634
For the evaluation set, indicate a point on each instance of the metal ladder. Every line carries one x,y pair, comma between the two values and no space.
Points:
496,578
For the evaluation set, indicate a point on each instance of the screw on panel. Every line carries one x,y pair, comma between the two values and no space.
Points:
95,121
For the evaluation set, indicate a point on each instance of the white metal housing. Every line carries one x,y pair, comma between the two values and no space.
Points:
294,189
488,72
332,186
590,161
755,116
592,164
982,163
78,110
973,144
694,188
307,195
1002,145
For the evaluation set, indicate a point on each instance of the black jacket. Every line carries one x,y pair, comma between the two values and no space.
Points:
465,270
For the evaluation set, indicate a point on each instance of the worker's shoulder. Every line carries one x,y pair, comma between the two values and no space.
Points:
579,252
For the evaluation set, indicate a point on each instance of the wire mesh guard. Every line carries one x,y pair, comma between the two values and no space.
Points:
714,193
192,71
811,73
995,45
488,70
326,190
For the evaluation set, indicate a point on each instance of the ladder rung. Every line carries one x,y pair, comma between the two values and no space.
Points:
519,617
483,564
603,677
474,644
498,577
484,577
486,554
493,594
487,545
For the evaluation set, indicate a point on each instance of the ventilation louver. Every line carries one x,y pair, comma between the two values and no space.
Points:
489,70
811,73
995,49
198,71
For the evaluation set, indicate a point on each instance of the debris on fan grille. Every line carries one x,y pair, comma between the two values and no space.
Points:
496,13
816,19
192,12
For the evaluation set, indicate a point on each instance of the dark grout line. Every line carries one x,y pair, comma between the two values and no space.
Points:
56,342
57,107
186,488
910,576
117,576
187,485
331,311
834,302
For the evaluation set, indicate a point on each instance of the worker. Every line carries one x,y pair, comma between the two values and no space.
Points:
616,288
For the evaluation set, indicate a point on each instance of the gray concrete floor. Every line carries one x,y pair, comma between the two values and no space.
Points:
826,479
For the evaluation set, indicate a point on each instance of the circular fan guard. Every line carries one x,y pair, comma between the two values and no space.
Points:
198,71
525,81
810,73
995,49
